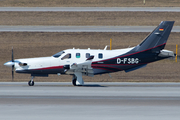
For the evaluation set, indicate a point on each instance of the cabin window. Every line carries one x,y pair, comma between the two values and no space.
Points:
87,55
67,56
78,55
100,55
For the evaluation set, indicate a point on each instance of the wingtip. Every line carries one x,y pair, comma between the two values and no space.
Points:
90,58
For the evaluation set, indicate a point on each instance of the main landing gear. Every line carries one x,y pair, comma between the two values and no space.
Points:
77,79
31,82
74,81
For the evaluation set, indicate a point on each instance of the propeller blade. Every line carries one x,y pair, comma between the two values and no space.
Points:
12,65
12,72
12,55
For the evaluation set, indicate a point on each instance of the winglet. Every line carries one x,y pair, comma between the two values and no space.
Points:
90,58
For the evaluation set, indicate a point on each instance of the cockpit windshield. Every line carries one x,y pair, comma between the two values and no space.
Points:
58,54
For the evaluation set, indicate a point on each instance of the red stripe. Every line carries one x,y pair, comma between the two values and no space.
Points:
105,66
47,68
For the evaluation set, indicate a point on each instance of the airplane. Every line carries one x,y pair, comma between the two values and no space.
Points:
90,62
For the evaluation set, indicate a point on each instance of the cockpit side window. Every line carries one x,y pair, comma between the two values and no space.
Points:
58,54
67,56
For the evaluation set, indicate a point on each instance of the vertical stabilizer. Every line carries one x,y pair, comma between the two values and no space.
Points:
158,37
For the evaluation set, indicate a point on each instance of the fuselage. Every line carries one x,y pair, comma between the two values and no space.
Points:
54,64
104,61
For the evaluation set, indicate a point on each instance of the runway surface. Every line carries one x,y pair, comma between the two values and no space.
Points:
81,28
91,9
115,101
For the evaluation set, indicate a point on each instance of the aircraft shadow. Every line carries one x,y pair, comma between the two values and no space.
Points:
93,85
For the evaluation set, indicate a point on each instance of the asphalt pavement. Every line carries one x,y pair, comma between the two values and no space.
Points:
91,9
115,101
81,28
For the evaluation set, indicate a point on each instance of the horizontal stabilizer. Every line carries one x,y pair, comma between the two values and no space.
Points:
166,53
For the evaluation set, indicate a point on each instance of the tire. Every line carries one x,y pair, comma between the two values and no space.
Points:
31,83
74,82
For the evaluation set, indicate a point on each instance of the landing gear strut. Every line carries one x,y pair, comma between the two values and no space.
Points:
74,80
31,82
77,79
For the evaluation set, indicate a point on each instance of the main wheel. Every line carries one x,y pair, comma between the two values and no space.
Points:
31,83
74,81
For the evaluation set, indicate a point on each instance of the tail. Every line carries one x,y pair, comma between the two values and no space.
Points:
157,38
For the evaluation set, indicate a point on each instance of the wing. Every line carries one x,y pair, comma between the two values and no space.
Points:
85,67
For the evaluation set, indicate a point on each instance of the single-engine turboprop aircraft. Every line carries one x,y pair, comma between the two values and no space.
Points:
90,62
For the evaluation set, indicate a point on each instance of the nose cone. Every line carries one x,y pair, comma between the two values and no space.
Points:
9,64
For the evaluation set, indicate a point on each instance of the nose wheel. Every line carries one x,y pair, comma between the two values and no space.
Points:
31,82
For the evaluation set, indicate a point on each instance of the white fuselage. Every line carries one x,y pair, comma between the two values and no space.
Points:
46,62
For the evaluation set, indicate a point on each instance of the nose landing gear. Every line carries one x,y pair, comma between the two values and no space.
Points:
31,82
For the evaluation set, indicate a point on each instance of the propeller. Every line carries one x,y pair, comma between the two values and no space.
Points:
12,65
